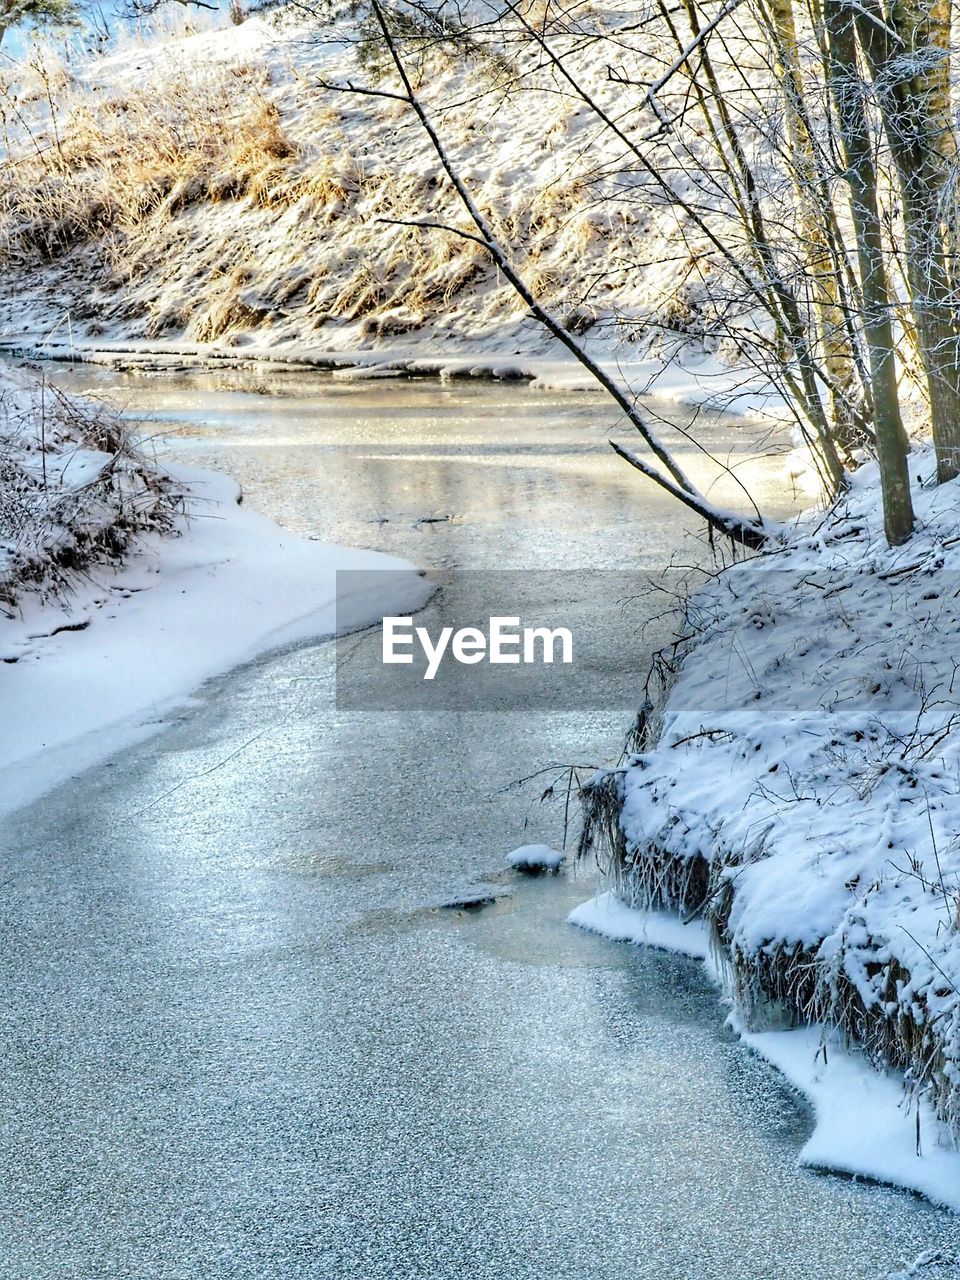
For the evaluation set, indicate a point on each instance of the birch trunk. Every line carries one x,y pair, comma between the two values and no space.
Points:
848,93
822,267
908,51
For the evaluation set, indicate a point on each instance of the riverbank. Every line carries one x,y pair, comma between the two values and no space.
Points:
205,186
690,377
799,792
128,584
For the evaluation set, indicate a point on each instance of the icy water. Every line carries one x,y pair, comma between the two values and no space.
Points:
242,1034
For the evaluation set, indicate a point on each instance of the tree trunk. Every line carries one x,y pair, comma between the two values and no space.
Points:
847,89
822,268
908,51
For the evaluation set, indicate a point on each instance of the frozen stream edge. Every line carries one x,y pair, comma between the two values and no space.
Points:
104,671
863,1124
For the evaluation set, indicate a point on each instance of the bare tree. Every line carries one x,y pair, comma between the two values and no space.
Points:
668,474
908,55
146,8
36,13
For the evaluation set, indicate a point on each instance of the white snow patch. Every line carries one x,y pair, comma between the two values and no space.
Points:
863,1124
606,914
536,857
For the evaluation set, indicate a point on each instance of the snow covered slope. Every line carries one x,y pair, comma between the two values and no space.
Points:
208,189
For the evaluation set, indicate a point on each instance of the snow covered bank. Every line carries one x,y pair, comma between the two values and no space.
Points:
232,196
90,669
801,791
75,489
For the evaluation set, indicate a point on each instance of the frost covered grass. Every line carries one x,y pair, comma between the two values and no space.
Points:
206,186
798,788
118,164
76,490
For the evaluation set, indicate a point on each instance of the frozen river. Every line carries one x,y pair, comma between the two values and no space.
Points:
242,1036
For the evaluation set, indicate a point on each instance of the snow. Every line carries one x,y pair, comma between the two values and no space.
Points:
862,1123
688,377
606,914
535,857
232,586
384,295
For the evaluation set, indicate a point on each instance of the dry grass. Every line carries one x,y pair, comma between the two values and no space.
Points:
111,162
232,310
75,490
138,175
149,190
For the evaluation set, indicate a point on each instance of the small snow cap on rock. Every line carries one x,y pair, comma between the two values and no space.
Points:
533,858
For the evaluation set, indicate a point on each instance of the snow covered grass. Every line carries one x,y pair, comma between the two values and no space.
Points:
114,163
205,187
223,191
76,491
799,787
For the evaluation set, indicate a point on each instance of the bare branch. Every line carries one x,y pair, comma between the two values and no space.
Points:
425,224
676,482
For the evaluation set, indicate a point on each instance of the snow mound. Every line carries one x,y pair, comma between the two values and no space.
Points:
803,793
862,1125
535,857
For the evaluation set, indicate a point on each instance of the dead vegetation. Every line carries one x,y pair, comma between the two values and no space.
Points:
100,162
155,192
76,491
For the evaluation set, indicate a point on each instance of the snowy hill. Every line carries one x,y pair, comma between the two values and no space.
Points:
208,189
